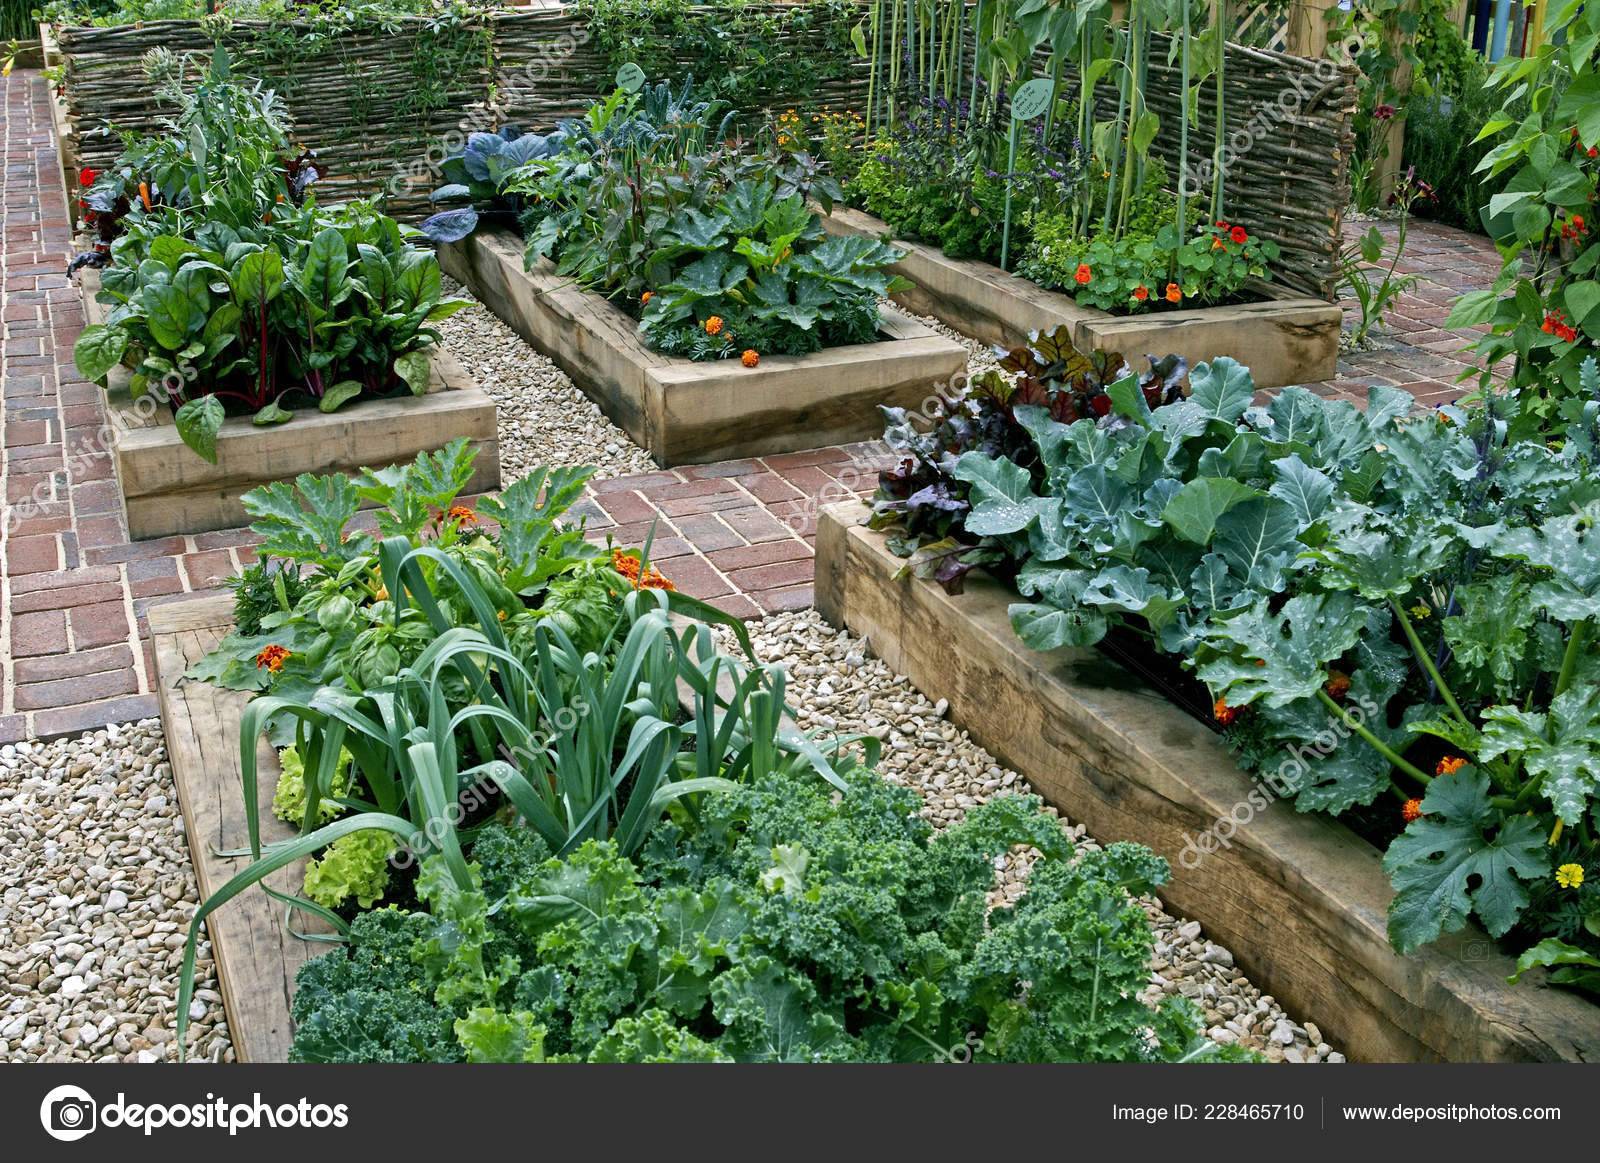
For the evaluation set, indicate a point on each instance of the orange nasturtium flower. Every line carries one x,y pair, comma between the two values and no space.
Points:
1174,293
751,357
1141,292
1083,274
1449,765
714,325
645,298
272,657
1411,810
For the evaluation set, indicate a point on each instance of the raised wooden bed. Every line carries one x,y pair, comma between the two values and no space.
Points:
685,412
168,489
1299,899
255,953
1283,339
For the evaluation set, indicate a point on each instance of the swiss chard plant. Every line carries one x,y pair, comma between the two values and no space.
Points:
1416,590
229,291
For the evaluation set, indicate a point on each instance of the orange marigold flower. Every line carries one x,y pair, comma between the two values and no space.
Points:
1174,293
1141,292
628,566
1238,235
1449,765
462,515
1223,713
714,325
1083,274
751,357
1338,684
272,657
1411,810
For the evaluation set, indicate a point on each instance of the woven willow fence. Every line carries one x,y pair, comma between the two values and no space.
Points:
381,107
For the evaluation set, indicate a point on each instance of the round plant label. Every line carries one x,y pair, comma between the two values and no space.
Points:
630,77
1032,99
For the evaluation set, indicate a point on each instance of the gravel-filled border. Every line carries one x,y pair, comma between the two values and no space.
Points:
544,418
96,892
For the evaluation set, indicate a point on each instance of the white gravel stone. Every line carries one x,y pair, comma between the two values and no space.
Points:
835,685
96,892
544,418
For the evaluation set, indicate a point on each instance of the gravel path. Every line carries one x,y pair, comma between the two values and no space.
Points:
544,418
96,892
835,685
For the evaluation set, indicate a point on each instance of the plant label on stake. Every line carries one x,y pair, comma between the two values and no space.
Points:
1030,100
630,78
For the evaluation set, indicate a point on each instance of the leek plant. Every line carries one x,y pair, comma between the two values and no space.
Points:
580,745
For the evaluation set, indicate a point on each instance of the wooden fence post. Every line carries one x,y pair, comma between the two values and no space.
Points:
1307,34
1386,169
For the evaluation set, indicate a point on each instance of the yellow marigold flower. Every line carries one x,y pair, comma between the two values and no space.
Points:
1569,875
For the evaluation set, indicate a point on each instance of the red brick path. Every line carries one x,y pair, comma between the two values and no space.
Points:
74,650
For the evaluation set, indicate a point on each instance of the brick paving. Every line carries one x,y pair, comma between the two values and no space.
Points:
74,651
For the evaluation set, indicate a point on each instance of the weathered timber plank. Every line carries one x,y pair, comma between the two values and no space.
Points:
255,953
1283,339
1299,899
684,412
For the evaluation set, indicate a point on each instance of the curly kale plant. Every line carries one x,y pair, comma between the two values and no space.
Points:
778,924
